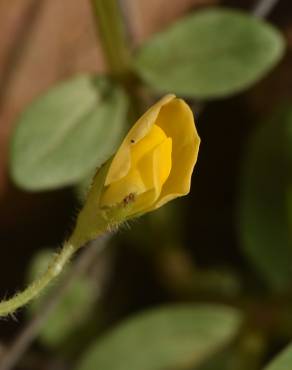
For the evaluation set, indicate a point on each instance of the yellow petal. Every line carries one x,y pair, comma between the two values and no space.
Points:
154,137
150,167
160,162
121,163
140,150
176,120
119,190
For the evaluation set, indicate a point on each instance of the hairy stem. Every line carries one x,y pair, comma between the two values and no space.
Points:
90,224
34,289
32,329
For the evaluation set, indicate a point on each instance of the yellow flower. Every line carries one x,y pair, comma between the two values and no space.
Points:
153,165
155,161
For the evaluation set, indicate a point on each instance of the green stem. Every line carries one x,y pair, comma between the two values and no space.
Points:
89,225
34,289
112,34
113,37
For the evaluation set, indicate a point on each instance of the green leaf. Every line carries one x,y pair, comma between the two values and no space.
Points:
266,178
282,361
67,133
222,360
214,53
72,311
164,338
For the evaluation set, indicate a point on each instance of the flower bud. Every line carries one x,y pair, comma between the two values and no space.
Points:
152,166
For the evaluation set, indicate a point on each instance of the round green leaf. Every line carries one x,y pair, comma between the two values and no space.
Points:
164,338
265,224
67,132
283,361
213,53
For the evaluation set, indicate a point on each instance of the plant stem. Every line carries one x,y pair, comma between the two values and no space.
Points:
113,37
90,224
31,330
34,289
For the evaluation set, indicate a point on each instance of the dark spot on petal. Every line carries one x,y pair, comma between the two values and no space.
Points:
129,199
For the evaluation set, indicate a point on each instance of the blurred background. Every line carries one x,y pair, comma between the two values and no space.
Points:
211,246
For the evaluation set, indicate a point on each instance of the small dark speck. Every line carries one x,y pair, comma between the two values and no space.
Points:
132,141
129,199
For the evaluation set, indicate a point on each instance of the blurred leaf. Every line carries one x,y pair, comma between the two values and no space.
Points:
70,313
67,132
220,361
213,53
246,353
264,218
164,338
282,361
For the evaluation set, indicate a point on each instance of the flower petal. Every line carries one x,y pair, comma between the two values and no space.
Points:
150,170
138,150
177,121
160,162
121,162
119,190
